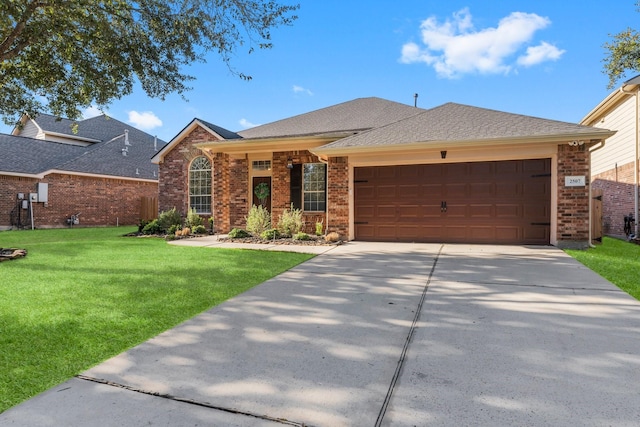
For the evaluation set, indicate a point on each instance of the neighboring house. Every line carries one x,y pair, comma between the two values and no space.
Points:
372,169
615,167
51,169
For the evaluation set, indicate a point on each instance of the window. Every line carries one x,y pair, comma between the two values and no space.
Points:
314,187
200,185
261,165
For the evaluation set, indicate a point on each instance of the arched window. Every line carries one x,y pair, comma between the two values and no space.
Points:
200,185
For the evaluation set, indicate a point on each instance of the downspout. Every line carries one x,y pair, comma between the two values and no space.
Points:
591,150
636,173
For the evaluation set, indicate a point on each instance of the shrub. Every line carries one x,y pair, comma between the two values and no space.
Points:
186,231
199,229
290,222
152,227
142,224
258,220
168,218
270,234
238,233
332,237
318,228
172,230
193,219
301,236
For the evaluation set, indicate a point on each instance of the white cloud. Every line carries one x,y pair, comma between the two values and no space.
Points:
541,53
90,112
300,89
146,120
455,47
246,123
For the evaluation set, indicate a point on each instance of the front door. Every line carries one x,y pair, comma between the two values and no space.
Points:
261,190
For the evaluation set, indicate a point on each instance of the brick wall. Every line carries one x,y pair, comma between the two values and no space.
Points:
573,202
618,187
173,187
100,201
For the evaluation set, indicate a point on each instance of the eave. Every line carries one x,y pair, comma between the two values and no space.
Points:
592,137
610,102
242,147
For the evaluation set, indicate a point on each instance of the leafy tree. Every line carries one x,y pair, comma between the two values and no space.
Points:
64,55
623,54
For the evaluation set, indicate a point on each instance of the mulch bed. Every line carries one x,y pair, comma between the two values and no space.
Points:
7,254
313,241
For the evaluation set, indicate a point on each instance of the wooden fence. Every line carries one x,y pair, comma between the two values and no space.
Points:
148,208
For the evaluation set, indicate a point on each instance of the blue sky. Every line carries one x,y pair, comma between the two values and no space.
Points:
540,58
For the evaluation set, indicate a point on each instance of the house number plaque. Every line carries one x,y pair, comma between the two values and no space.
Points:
574,181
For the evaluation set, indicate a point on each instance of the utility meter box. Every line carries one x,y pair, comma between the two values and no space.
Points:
43,192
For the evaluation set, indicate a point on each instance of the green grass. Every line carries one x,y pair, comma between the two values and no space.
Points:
617,261
81,296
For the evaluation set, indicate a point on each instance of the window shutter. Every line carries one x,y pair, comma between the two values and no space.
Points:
295,186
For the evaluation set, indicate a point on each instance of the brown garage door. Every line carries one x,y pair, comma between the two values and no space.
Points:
505,202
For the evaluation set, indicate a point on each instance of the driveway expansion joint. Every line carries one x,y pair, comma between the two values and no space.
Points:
191,401
407,343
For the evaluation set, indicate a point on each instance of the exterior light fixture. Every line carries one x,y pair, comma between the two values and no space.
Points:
289,163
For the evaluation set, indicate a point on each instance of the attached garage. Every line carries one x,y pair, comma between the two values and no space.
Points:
505,202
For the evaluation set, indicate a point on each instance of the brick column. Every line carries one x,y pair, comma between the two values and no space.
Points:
573,202
220,189
238,190
338,196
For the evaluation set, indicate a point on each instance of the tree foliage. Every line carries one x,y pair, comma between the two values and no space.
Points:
64,55
623,54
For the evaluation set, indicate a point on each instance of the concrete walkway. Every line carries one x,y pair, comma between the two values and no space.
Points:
370,334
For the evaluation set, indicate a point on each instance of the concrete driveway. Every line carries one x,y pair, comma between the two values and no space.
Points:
371,334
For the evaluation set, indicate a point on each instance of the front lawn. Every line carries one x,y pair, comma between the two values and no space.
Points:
617,261
81,296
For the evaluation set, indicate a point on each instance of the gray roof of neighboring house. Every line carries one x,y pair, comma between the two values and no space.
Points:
352,116
457,122
33,156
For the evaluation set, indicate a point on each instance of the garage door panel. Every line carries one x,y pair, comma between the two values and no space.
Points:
508,211
507,234
387,192
386,212
365,213
485,202
481,211
408,192
409,211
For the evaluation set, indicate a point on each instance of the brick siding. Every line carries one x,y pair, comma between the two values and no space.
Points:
173,172
100,201
617,187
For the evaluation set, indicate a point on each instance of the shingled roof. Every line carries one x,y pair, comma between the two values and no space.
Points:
22,155
347,117
453,122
